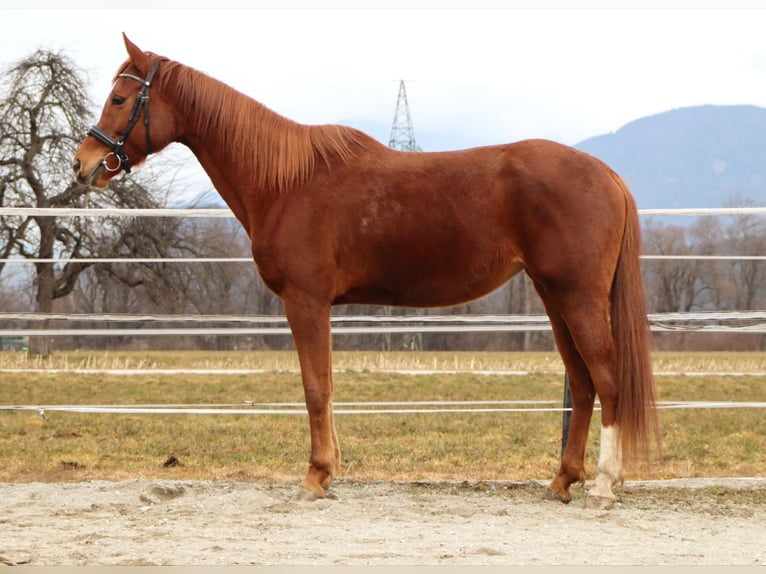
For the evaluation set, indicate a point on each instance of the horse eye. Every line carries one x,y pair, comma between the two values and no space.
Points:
118,100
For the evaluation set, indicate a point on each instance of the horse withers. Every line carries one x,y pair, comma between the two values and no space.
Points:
335,217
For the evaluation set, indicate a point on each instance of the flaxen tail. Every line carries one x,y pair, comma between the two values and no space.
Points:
636,408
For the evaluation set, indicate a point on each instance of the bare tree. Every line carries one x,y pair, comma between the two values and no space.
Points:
746,236
197,288
704,236
43,116
673,285
40,114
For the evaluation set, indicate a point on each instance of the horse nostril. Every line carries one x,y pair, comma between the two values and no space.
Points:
76,165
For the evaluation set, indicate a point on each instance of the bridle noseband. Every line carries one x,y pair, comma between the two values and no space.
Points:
141,103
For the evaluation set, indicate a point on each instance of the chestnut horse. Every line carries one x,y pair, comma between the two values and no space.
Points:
335,217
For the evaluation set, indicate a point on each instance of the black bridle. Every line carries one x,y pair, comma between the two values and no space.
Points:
141,103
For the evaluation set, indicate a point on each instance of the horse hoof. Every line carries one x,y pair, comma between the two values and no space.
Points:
549,494
599,503
306,495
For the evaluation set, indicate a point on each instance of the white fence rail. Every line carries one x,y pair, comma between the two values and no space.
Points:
370,408
226,213
28,261
710,322
218,212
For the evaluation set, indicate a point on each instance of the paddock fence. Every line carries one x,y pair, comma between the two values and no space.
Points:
752,322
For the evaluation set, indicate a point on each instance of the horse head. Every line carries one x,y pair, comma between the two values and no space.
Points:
113,145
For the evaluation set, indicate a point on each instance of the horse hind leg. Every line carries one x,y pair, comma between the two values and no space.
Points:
601,496
591,332
572,468
585,341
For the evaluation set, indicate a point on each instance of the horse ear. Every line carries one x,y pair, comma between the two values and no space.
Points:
137,56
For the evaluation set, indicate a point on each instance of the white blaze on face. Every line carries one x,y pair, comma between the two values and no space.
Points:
609,462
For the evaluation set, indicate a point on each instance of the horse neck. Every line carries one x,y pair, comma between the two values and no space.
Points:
228,132
250,152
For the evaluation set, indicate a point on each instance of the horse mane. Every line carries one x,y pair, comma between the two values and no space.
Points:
281,152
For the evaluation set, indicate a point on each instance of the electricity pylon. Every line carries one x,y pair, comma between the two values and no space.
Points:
402,134
402,139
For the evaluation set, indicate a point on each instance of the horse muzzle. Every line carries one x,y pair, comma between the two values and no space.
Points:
95,176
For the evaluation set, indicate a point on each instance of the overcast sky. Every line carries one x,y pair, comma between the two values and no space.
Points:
492,75
473,76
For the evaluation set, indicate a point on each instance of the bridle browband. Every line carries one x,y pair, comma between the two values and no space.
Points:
141,103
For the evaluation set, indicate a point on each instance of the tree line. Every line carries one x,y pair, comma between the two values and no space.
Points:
44,114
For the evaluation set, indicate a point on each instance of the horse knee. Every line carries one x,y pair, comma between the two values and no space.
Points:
318,400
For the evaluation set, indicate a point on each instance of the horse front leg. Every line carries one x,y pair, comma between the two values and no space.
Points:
310,325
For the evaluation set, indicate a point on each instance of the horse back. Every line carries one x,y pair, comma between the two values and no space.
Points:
399,228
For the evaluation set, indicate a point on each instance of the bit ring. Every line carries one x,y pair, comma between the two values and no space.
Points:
105,162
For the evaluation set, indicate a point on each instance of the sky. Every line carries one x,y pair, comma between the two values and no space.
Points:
474,76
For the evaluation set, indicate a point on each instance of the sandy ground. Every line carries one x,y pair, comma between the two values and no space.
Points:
142,522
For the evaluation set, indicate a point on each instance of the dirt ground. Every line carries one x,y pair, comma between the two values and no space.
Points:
141,522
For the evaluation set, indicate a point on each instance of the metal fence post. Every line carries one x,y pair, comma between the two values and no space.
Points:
567,415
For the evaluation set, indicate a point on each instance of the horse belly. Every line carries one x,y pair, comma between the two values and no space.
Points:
430,270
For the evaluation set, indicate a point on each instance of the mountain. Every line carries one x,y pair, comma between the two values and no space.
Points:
700,156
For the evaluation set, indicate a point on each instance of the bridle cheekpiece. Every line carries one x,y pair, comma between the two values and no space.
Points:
117,146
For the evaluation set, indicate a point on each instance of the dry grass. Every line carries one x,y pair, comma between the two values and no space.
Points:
286,360
496,446
538,362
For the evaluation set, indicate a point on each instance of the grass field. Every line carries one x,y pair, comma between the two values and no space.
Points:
475,446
